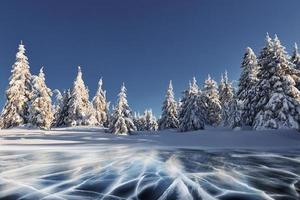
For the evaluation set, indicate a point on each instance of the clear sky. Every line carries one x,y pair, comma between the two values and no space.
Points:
143,43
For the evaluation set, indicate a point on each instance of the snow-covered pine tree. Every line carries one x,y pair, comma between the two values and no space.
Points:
262,61
235,113
81,110
278,98
138,121
192,114
214,108
265,54
58,101
40,110
150,121
121,119
169,111
226,96
62,118
247,87
18,93
101,106
225,90
179,106
295,58
221,86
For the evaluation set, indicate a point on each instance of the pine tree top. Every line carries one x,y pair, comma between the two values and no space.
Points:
100,91
123,91
225,77
249,58
268,40
295,58
21,48
296,48
194,87
21,57
79,73
249,50
222,79
266,51
122,101
41,73
276,41
79,85
170,85
100,83
210,83
279,52
170,93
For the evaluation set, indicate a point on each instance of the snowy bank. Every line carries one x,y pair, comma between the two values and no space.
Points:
94,136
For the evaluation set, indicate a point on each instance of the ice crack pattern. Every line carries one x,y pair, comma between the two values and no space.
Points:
136,173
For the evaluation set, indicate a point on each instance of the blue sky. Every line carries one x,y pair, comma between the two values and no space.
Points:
143,43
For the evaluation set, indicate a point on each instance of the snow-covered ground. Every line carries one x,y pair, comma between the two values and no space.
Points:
211,138
87,163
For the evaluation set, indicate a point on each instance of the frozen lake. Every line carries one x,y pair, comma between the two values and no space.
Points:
125,172
86,163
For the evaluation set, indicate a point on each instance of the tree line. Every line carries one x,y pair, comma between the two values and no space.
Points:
267,97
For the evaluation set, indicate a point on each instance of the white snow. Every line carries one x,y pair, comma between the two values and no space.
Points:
93,137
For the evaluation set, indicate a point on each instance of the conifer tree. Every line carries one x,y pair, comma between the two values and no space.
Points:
226,90
226,96
62,118
56,105
81,111
265,54
121,119
295,58
247,87
278,98
138,121
150,122
235,113
18,94
58,99
179,106
40,110
193,109
169,111
101,106
221,86
213,102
